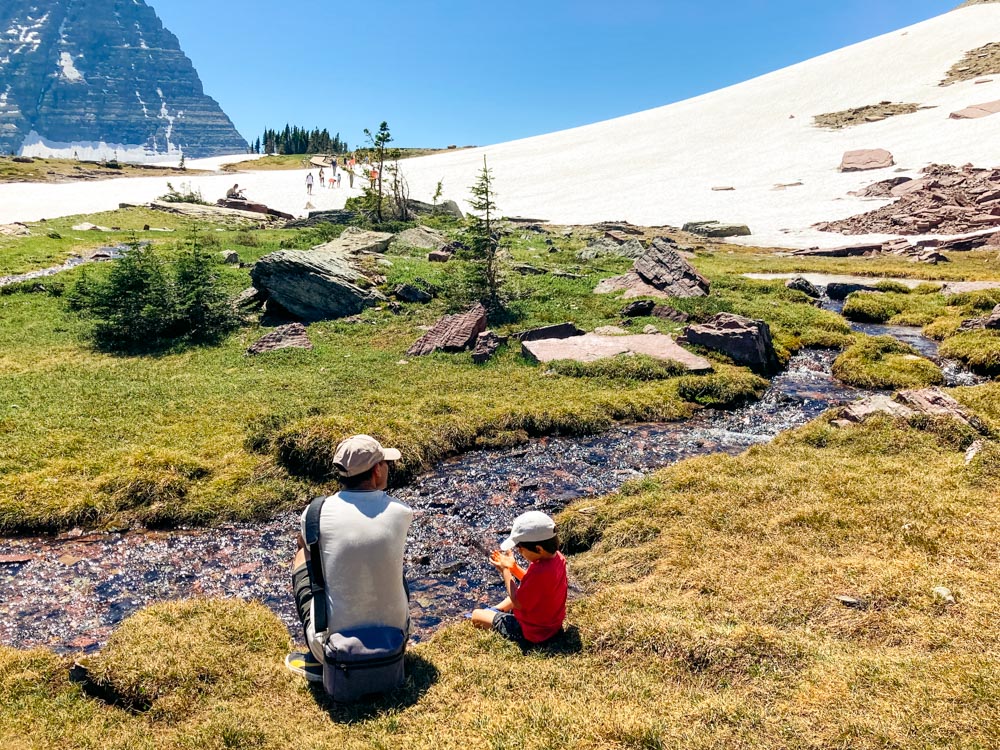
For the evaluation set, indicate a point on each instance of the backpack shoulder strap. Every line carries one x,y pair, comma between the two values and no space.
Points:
317,582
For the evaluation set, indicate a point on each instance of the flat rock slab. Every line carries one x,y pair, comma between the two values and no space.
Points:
592,347
977,111
908,404
558,331
211,213
355,241
452,333
865,159
291,336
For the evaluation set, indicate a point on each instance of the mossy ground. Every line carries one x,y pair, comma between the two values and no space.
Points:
883,363
709,620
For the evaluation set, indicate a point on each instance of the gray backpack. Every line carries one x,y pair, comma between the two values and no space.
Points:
359,662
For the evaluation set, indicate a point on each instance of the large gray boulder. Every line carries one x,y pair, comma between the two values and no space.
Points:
745,341
356,241
445,208
317,284
605,246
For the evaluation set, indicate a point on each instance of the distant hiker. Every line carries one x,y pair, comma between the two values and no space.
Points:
340,176
234,193
309,184
350,176
347,574
535,607
322,178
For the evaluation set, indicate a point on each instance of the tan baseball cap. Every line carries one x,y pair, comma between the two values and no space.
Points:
360,453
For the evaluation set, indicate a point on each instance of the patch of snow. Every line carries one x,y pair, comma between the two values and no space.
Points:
69,71
36,145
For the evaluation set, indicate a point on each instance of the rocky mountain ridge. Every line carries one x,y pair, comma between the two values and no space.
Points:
102,78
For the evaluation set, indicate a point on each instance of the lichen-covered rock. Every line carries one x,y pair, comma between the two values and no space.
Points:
422,238
316,284
663,268
745,341
800,284
717,229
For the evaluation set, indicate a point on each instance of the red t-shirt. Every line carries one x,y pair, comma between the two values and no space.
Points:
542,599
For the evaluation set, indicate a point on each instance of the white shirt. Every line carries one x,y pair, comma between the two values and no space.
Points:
362,538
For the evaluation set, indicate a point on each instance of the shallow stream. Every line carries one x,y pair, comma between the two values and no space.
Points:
69,592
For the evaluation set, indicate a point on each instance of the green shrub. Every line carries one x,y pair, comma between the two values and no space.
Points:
882,362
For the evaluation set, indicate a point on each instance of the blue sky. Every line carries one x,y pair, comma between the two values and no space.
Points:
472,73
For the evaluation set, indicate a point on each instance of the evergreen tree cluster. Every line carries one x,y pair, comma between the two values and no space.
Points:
147,304
296,140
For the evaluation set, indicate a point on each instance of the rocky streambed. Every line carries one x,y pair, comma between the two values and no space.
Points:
69,592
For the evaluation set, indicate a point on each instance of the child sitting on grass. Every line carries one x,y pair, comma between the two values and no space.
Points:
535,607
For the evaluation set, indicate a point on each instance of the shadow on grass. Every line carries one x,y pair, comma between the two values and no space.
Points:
566,643
420,675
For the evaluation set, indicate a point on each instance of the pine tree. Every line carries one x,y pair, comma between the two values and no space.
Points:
378,143
203,310
483,238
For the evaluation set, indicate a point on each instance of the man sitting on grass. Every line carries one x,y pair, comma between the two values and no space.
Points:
535,607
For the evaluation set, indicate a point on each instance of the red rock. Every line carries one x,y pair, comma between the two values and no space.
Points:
977,111
439,256
15,559
453,333
591,347
291,336
865,159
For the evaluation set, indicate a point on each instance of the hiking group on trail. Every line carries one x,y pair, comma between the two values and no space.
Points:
351,594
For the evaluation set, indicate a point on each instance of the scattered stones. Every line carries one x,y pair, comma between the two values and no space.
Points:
14,230
978,62
650,330
862,115
610,331
639,309
452,333
745,341
865,159
881,403
946,200
987,238
230,257
977,111
487,344
291,336
422,238
665,312
717,229
411,293
559,331
592,347
439,256
317,284
803,285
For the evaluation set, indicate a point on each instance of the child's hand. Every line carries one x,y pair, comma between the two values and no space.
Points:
502,560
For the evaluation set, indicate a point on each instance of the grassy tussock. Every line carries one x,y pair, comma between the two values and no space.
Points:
710,620
980,350
882,362
622,367
894,307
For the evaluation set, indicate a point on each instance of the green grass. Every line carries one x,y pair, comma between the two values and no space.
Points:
69,170
980,350
709,619
882,362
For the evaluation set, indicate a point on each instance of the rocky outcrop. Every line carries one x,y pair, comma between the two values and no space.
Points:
336,216
445,208
102,78
745,341
638,309
663,268
453,333
839,291
605,246
865,159
991,322
717,229
216,214
592,347
906,405
945,200
316,284
411,293
291,336
487,344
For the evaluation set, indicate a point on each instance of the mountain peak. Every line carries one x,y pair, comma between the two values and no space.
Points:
102,78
